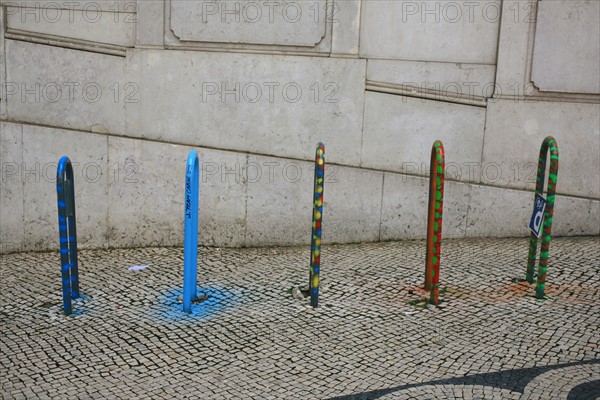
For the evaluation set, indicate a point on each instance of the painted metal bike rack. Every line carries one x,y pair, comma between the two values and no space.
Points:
550,144
315,243
434,221
67,227
190,241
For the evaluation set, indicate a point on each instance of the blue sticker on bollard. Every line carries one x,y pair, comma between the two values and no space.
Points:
537,218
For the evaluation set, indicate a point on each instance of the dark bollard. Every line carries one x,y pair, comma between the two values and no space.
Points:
67,227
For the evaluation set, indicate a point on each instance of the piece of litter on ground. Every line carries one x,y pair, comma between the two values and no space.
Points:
297,293
137,267
200,298
410,312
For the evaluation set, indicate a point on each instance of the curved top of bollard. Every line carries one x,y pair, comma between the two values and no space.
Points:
550,143
64,170
192,164
192,169
438,147
437,150
192,158
192,174
320,154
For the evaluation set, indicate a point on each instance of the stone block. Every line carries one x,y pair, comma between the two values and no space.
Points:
399,132
514,134
67,88
264,104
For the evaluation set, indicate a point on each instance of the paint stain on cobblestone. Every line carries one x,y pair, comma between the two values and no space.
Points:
518,290
218,301
81,306
254,343
573,294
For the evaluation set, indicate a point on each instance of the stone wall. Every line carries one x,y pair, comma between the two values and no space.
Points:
126,88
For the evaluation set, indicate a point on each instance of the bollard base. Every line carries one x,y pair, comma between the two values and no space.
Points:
200,298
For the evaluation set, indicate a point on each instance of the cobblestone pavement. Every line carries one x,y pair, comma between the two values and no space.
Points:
372,337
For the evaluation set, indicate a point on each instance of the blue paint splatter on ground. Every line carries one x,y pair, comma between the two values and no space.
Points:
220,301
79,305
76,313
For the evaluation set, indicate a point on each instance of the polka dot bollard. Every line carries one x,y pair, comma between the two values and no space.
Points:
317,220
434,221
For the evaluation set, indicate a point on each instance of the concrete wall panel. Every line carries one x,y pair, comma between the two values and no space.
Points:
11,187
101,27
399,132
344,15
472,80
263,104
498,212
42,149
404,208
146,194
449,31
292,23
567,47
514,134
66,88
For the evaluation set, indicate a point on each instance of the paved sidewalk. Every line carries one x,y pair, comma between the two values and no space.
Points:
372,337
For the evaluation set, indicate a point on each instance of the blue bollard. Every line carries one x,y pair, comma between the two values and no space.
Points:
190,240
67,228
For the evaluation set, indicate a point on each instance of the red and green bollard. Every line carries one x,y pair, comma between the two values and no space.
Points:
434,221
549,145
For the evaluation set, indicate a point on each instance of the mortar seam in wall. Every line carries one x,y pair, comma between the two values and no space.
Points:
421,96
22,197
368,169
70,44
381,204
498,38
470,192
245,243
107,231
467,211
253,51
485,121
364,111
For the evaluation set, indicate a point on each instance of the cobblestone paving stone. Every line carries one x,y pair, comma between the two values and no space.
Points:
371,338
